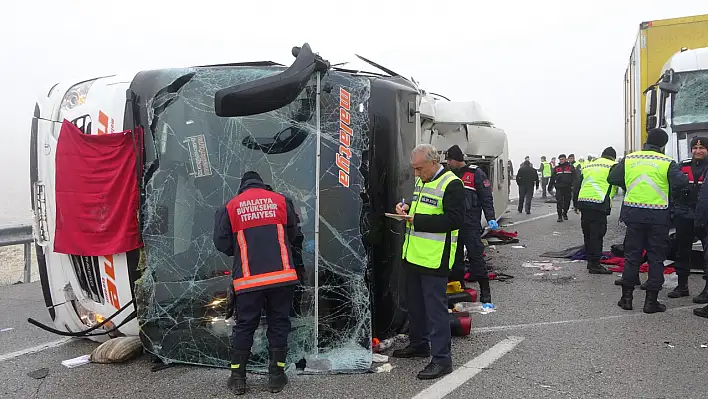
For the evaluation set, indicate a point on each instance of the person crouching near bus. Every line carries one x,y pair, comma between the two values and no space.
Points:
257,227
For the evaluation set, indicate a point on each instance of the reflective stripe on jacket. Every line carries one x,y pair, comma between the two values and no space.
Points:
646,179
422,248
258,219
595,187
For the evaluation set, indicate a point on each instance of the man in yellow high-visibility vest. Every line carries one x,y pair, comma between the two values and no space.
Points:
545,170
648,177
594,197
433,219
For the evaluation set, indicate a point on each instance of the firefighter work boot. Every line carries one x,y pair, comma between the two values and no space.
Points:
237,381
681,289
701,312
703,296
595,267
276,370
433,371
560,218
485,293
625,301
565,215
651,304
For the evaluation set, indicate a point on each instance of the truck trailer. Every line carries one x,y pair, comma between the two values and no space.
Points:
673,46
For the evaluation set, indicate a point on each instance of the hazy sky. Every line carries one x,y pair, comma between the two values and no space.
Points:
548,72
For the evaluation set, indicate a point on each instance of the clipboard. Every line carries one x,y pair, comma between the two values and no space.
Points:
398,217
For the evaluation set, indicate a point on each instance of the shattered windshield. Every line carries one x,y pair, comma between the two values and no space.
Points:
690,104
184,296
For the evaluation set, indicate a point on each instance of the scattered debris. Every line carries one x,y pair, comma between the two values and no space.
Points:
668,344
475,307
548,268
536,264
379,358
493,247
557,233
518,246
76,362
539,274
39,374
390,342
7,329
704,346
386,368
117,350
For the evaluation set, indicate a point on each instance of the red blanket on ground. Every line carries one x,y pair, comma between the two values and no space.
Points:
619,266
96,193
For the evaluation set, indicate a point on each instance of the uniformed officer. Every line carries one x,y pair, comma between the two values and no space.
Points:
478,199
257,227
594,198
684,218
545,170
563,178
648,177
434,218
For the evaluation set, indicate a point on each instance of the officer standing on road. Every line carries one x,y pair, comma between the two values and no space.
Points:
526,179
478,199
257,227
562,178
432,226
649,178
594,198
545,170
685,218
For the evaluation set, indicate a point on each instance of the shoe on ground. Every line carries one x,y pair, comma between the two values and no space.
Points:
433,371
701,312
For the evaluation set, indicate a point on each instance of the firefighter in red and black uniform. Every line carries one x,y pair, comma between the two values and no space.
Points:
257,228
684,218
478,199
563,178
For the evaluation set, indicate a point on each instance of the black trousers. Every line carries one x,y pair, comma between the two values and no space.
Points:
563,198
525,197
470,237
594,225
654,239
277,302
429,323
685,234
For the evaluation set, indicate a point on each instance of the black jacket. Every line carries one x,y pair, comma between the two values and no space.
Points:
593,206
562,176
628,214
527,176
451,219
685,200
478,194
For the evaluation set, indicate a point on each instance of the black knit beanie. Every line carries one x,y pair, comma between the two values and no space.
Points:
609,152
657,137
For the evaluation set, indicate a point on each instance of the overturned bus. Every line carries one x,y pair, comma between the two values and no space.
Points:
336,141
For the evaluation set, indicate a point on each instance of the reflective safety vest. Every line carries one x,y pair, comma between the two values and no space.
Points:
263,260
595,187
426,249
546,169
645,176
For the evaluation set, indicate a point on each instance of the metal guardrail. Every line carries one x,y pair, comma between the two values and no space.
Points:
16,235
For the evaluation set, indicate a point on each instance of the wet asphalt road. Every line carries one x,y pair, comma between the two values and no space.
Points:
576,342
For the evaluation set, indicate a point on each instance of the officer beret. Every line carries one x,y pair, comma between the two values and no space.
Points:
657,137
700,141
455,153
609,152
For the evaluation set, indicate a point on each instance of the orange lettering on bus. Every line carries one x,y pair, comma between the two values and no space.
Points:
111,290
344,156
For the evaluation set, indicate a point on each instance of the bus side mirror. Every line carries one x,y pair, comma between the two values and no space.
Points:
272,92
650,101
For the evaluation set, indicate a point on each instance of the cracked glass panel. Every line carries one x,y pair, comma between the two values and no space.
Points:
194,164
691,102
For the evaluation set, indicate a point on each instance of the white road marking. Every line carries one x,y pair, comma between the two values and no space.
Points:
574,321
531,220
452,381
34,349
